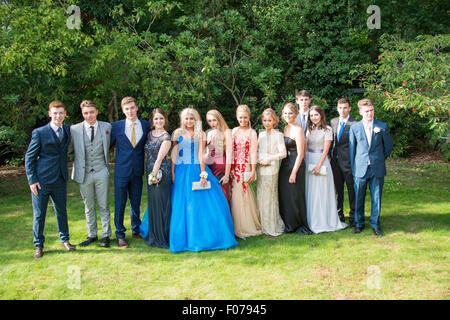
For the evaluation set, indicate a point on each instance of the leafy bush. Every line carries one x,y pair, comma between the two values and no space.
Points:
410,83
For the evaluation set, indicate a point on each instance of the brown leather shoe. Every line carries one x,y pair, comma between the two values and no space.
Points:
68,246
136,236
122,243
38,253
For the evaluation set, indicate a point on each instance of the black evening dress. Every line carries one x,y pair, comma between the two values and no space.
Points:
159,195
291,196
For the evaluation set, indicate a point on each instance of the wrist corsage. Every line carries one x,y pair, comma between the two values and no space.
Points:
152,179
204,175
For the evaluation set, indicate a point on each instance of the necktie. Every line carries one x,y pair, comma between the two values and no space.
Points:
59,133
133,135
304,121
92,133
342,124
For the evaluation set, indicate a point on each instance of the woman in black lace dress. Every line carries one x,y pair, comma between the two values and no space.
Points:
159,187
291,179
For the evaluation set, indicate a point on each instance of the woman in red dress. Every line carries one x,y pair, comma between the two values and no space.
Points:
219,149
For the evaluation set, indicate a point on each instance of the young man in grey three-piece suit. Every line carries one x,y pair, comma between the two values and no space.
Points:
90,143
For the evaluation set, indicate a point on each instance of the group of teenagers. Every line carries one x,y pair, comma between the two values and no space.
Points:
198,183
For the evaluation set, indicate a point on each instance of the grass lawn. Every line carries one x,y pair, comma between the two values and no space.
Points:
410,262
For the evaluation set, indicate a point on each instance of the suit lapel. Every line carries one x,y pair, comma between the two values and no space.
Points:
79,131
363,132
122,132
102,131
53,135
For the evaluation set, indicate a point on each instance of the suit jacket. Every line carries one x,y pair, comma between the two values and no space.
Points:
361,153
339,151
46,156
298,120
129,160
77,132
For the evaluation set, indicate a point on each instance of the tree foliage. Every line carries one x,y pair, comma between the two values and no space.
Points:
204,54
410,82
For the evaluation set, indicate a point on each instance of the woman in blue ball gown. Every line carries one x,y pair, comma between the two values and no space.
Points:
201,219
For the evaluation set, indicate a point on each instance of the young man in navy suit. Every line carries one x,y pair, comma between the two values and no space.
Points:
370,145
340,159
46,168
129,137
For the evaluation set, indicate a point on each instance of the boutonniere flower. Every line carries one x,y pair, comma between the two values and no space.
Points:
107,132
376,130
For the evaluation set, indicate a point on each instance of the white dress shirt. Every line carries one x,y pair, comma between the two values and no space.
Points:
137,129
87,127
368,128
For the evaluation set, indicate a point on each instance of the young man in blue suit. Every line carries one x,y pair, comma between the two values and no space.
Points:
370,145
129,137
46,168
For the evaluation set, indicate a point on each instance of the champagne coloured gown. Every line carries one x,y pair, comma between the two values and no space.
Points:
243,205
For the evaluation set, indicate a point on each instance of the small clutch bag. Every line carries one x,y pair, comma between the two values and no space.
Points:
152,179
323,169
248,175
196,185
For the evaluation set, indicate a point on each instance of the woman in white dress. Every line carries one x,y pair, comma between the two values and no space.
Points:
320,193
271,150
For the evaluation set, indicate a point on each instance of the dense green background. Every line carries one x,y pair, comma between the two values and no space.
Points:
216,54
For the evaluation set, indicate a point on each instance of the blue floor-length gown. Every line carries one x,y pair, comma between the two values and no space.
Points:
201,219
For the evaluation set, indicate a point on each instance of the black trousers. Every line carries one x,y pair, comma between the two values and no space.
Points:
341,177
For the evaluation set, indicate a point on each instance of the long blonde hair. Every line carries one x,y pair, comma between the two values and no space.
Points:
198,132
220,131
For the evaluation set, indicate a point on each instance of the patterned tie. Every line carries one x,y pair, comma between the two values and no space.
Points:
92,133
342,124
133,135
59,133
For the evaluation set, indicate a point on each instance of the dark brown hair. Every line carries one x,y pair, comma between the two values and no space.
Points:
163,113
303,93
323,119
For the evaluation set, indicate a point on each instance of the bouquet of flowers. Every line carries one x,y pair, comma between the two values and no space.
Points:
152,179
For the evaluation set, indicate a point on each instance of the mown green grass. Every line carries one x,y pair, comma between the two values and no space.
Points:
410,262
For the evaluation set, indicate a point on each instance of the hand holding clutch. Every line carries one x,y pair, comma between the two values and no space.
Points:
197,185
323,169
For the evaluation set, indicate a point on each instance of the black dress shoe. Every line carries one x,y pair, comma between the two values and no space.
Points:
104,242
88,241
352,224
357,230
378,232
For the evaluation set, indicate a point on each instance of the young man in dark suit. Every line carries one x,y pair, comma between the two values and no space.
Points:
340,159
46,168
129,137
